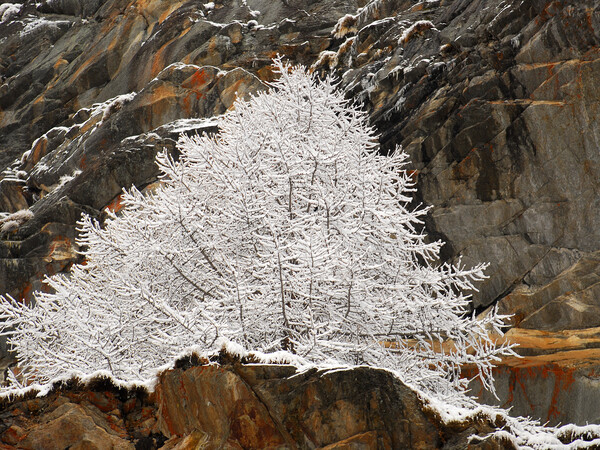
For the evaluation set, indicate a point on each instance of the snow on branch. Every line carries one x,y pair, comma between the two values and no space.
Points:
288,231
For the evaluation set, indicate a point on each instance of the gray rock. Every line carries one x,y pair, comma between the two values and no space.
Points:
567,301
497,105
505,145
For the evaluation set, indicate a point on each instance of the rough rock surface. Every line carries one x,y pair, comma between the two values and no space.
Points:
91,91
556,379
239,406
496,102
498,107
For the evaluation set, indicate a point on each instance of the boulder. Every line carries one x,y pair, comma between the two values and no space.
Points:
71,426
236,405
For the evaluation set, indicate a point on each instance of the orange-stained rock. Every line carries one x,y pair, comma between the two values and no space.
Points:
13,435
71,426
236,406
192,441
324,407
12,195
497,106
556,380
217,401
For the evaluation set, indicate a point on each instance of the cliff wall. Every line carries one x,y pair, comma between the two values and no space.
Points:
495,101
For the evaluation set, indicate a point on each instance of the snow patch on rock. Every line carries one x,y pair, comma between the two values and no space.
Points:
8,11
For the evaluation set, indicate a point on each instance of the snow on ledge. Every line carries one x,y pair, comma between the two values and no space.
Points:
523,433
225,347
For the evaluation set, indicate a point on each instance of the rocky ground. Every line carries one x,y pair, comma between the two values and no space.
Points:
496,102
234,406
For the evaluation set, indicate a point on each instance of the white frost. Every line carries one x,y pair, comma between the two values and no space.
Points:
8,11
289,231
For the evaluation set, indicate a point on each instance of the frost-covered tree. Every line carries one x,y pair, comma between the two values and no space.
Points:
286,231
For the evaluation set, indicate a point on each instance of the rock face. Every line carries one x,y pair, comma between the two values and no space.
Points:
239,406
495,101
555,380
93,90
496,105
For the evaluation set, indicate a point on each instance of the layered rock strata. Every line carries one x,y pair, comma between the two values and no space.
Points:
495,101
